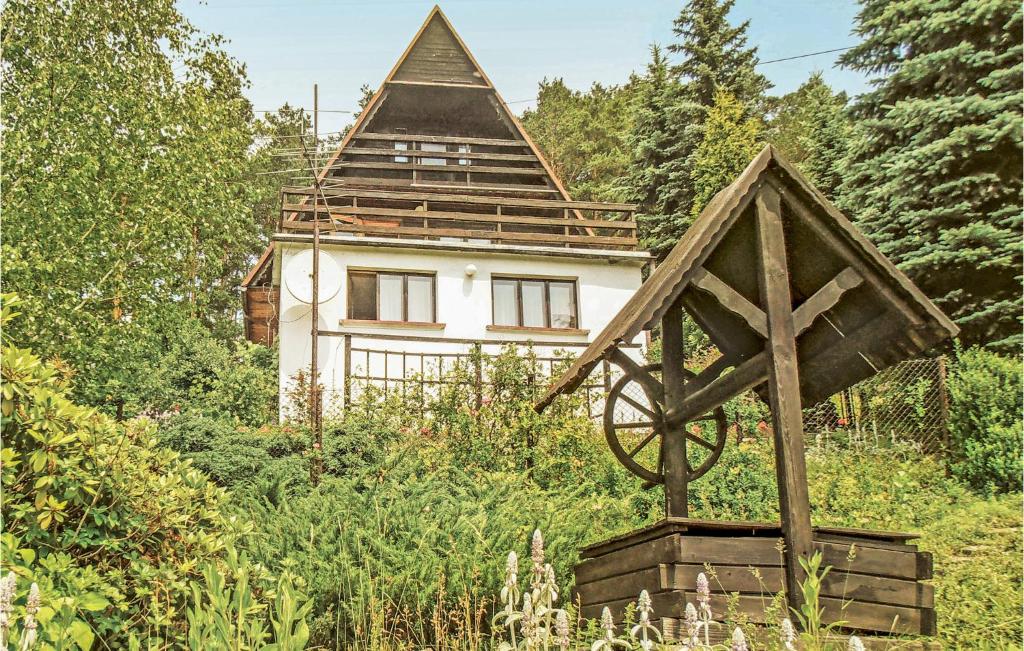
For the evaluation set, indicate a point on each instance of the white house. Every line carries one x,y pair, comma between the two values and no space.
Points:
442,230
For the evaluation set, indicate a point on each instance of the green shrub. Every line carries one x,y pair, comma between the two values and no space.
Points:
411,550
108,523
985,420
203,375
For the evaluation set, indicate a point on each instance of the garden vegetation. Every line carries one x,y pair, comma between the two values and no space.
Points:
151,497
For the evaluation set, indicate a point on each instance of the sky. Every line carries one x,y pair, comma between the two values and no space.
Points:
340,45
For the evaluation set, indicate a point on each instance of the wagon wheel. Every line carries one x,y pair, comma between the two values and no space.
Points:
634,426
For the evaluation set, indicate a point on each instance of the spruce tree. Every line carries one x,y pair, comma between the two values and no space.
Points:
670,123
656,169
935,170
730,142
715,55
812,129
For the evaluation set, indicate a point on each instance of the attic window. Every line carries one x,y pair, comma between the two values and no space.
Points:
404,146
433,146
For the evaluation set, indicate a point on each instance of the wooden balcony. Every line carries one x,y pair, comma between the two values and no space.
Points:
427,215
466,164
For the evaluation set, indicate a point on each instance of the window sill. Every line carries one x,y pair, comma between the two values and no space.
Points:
409,325
551,331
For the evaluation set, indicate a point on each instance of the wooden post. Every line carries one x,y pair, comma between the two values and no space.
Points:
673,359
478,374
348,371
784,391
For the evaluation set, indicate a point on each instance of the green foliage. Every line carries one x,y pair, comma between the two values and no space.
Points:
126,133
584,136
107,522
414,545
985,420
730,141
225,613
811,128
673,104
201,374
934,170
977,550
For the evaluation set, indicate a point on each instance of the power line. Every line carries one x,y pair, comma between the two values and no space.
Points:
809,54
519,101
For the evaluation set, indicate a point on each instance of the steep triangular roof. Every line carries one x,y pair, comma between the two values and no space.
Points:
438,58
877,318
437,55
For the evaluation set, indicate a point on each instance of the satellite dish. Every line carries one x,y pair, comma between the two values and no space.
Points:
298,277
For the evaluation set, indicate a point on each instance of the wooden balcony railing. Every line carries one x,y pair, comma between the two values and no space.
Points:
427,215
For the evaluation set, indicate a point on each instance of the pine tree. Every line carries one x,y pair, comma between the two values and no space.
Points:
656,157
669,126
730,141
935,170
811,128
715,55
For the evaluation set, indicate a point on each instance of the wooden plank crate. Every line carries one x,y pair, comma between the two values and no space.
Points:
874,585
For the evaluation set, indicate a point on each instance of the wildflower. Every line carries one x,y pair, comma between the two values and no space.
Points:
529,621
7,588
562,630
854,644
787,635
537,549
607,623
28,636
842,422
550,584
509,593
692,623
537,556
644,606
703,588
739,641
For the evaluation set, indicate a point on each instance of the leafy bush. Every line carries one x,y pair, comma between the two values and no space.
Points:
112,527
985,420
203,375
101,517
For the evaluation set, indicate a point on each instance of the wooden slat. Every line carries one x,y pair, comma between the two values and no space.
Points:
458,216
357,183
882,618
471,155
455,140
825,298
462,198
479,169
731,300
510,236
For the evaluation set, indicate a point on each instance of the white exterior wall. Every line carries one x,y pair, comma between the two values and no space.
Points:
463,306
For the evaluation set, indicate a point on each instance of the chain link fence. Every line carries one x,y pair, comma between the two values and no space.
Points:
906,402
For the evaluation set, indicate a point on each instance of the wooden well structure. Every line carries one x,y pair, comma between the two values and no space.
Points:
801,306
